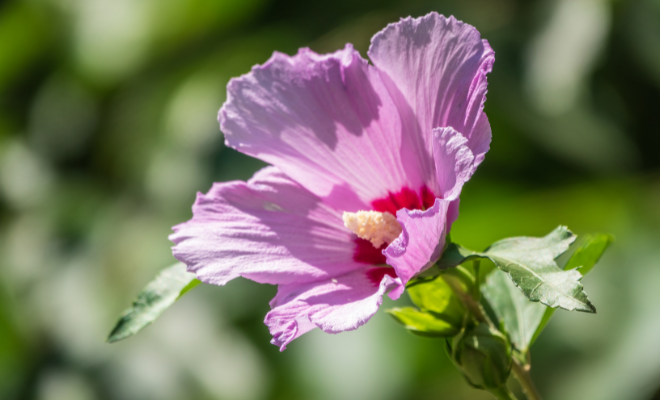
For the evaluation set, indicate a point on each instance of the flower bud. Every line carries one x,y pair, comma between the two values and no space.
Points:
483,355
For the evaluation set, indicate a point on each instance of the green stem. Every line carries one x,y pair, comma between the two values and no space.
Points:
525,379
521,372
477,283
502,393
467,300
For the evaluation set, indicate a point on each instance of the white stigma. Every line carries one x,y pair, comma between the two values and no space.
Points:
374,226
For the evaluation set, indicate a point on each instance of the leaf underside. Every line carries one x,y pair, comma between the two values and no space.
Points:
530,263
523,294
524,320
168,286
519,316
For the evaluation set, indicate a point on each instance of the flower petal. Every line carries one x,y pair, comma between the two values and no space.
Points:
334,305
435,68
327,122
454,162
270,230
452,213
421,242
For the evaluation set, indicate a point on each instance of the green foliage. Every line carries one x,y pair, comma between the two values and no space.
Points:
440,312
526,270
523,320
530,263
586,255
436,296
518,316
24,35
483,355
168,286
424,323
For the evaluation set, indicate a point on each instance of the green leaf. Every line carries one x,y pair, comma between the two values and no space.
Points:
530,263
424,323
517,315
589,252
586,255
535,275
440,314
168,286
437,297
524,320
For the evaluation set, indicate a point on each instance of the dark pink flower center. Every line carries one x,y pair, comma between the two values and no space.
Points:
405,198
376,275
365,252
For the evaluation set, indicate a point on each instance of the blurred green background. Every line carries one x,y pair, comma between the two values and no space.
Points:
108,128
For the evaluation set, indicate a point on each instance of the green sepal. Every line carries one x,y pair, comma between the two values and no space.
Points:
168,286
483,355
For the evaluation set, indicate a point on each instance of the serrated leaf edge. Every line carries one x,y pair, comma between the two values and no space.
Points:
590,307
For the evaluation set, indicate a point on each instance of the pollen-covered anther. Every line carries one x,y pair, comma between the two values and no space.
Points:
374,226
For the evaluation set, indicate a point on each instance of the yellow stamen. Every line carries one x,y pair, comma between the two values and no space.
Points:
374,226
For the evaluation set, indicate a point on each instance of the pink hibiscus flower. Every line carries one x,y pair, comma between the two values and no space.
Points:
352,145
